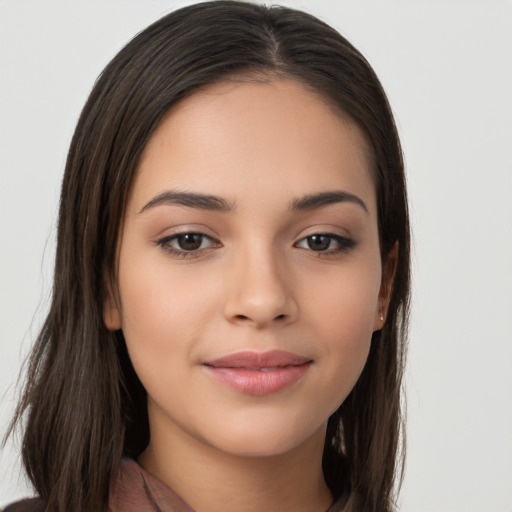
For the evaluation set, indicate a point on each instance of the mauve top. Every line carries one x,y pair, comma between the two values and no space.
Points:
135,490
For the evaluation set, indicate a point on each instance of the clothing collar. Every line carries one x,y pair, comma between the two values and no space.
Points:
135,490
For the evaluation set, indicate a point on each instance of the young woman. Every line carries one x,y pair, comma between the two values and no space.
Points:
231,286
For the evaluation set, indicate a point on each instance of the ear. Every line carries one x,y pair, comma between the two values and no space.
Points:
111,310
386,287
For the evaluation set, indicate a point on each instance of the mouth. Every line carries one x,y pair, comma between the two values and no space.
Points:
258,373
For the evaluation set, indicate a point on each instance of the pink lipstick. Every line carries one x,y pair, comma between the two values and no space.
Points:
258,373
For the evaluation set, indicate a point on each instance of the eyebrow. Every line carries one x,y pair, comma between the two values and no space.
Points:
190,199
322,199
215,203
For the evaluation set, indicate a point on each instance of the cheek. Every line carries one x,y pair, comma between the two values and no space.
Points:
344,302
343,317
163,314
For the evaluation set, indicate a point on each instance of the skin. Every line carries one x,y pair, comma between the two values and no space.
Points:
254,284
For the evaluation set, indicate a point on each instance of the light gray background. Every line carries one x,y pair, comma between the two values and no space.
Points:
447,67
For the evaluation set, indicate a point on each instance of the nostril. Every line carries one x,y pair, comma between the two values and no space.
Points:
244,317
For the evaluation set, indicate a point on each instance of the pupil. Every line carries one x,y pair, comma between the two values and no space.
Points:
190,241
319,242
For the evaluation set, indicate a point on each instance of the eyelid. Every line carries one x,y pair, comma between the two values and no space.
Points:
183,228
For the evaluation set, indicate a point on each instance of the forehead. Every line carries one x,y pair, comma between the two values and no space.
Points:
262,136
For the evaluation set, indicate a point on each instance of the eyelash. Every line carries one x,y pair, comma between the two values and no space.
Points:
344,244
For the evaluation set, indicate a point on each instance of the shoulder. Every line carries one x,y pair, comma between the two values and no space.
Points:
30,505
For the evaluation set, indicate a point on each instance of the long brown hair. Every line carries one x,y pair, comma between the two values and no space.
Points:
83,403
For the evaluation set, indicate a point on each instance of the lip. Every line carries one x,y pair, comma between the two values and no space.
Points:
258,373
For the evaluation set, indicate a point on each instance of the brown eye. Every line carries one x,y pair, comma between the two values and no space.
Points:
327,243
319,242
189,241
187,244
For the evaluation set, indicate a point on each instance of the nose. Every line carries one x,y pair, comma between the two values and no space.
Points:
258,293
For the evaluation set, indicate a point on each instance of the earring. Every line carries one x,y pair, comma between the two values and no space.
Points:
381,316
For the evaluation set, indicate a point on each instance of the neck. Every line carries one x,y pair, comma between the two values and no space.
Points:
214,481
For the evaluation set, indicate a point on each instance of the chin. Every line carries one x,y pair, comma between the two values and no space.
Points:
256,437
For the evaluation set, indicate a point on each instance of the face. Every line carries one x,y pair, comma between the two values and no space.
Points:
250,277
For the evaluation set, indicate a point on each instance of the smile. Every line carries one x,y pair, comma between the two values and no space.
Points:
256,373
